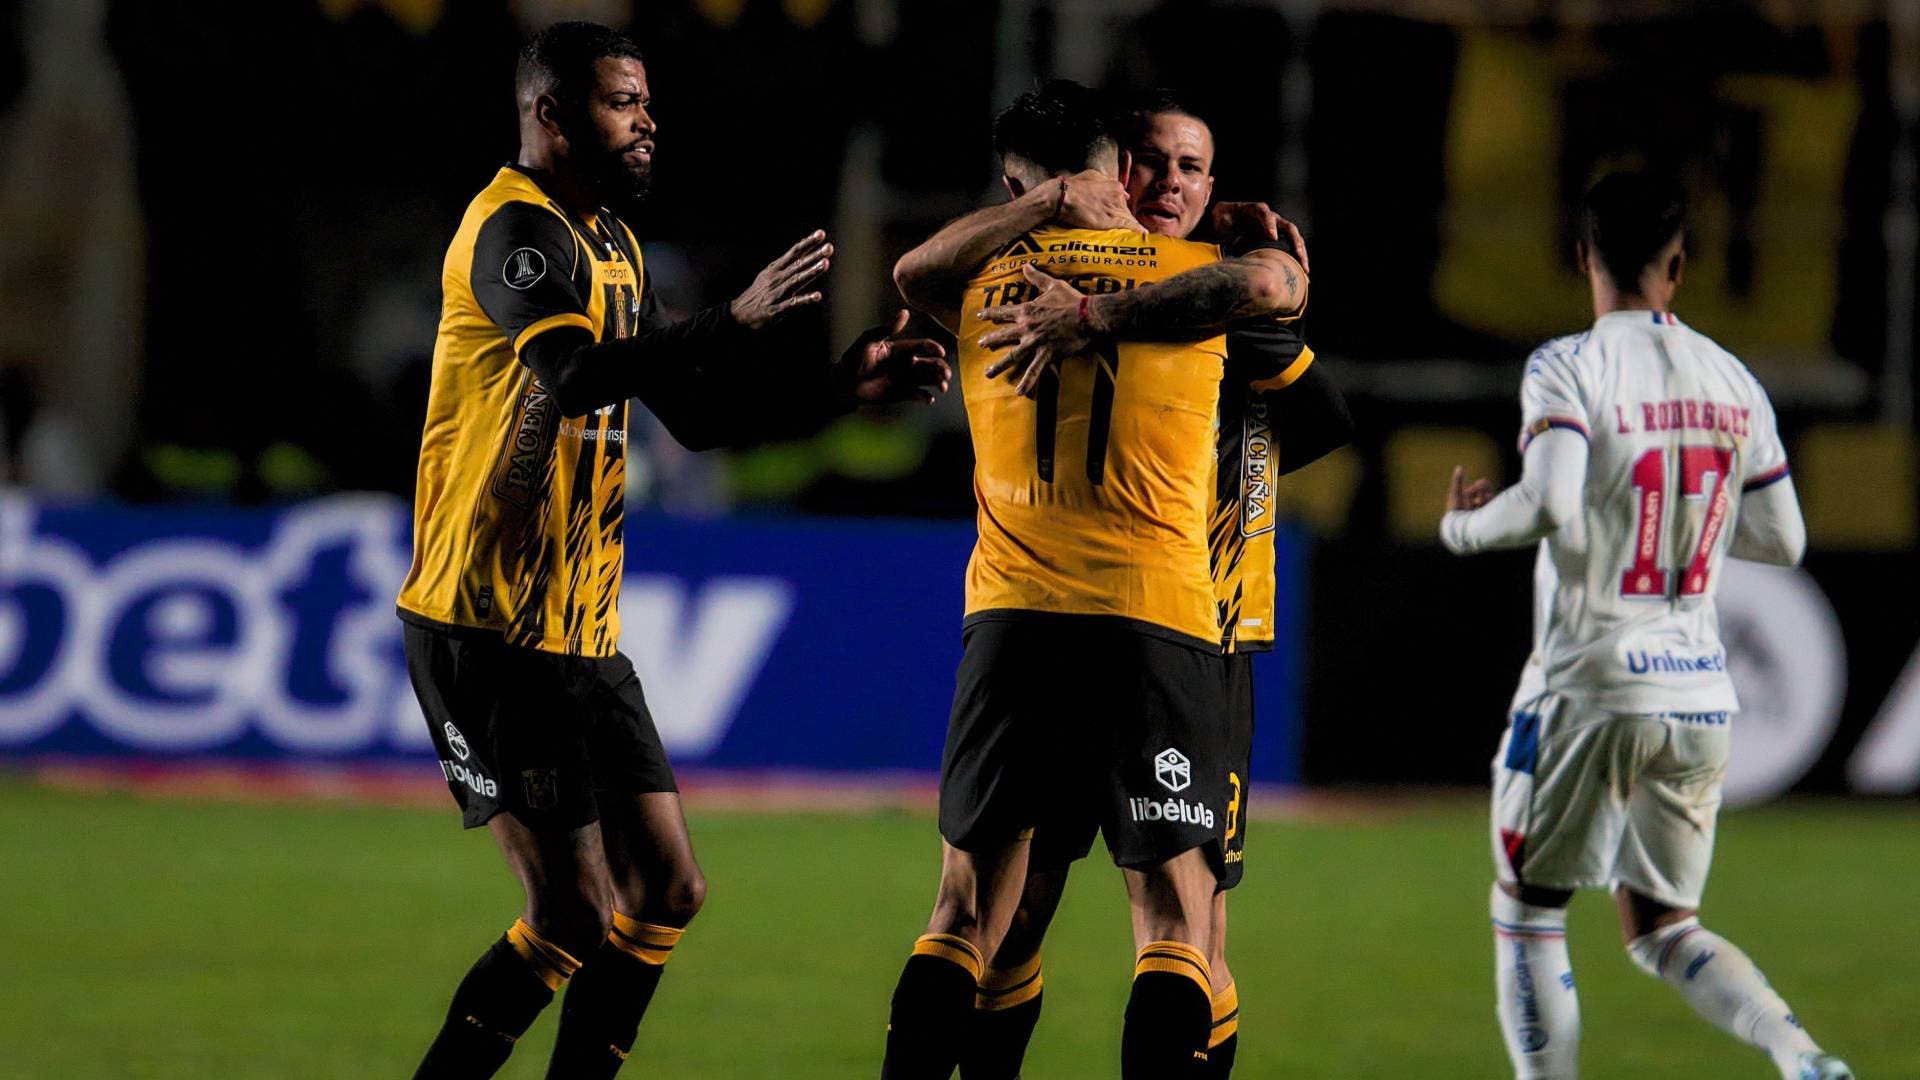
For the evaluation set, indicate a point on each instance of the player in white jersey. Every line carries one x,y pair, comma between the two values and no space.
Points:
1650,456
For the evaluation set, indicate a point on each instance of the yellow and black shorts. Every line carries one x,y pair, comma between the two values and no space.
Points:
1239,700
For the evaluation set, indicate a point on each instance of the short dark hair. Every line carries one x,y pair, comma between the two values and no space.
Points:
560,59
1627,218
1059,127
1160,101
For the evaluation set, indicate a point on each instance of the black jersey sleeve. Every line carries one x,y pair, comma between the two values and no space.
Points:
1266,354
525,272
710,381
1308,414
1310,420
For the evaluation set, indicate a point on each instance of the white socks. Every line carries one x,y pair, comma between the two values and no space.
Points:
1726,988
1539,1011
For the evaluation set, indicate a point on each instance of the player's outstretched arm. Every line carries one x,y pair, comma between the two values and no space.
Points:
1771,528
1552,486
709,382
583,376
932,276
767,398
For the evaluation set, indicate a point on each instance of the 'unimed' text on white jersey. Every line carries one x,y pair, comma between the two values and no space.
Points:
1678,430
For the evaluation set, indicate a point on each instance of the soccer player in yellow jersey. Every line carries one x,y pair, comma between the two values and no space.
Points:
1091,685
1278,412
548,326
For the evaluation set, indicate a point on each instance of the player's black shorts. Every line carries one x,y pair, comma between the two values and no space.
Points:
1239,715
535,734
1069,725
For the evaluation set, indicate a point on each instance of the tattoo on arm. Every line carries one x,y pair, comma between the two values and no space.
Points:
1203,299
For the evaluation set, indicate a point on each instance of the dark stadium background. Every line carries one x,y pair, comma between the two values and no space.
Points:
256,198
221,225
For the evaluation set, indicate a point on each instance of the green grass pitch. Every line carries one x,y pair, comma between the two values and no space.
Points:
143,938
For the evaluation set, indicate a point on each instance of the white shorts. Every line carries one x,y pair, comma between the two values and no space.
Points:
1587,800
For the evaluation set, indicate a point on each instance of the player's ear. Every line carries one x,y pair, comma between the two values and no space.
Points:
1014,187
546,113
1126,164
1676,267
1581,258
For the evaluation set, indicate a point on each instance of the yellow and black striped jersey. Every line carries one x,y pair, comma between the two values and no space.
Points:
518,510
1261,361
1094,498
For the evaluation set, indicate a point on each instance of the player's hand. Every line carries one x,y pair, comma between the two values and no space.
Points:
1042,331
883,367
780,287
1464,496
1256,221
1094,200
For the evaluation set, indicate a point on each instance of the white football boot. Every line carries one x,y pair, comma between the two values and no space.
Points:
1818,1066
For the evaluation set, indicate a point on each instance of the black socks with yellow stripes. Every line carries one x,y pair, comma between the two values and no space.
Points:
1169,1014
931,1007
495,1004
518,976
601,1016
1004,1013
1225,1040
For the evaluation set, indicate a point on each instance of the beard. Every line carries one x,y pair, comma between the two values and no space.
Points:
617,182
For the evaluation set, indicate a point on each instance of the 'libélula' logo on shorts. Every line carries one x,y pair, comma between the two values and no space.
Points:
1668,662
478,784
456,740
1173,770
1179,811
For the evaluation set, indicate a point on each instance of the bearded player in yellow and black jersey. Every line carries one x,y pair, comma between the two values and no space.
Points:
1278,412
1090,689
549,325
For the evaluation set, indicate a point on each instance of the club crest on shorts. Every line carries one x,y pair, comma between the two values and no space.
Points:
542,787
523,267
456,741
1173,770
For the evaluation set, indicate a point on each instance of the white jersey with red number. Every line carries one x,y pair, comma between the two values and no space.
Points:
1678,429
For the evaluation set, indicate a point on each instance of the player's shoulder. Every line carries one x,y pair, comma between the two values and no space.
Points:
1558,356
1715,350
1733,367
514,201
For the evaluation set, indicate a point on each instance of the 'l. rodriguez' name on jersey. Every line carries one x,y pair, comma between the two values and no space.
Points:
1678,429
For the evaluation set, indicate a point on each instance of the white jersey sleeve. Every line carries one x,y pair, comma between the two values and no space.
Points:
1550,395
1553,472
1766,456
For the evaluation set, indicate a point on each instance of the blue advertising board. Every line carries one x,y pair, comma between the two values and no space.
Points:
270,635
